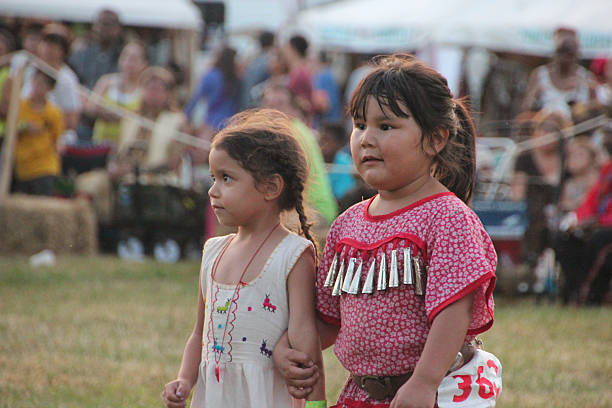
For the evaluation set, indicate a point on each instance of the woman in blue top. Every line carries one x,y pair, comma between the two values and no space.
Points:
221,88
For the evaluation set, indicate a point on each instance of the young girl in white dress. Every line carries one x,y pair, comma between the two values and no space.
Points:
254,284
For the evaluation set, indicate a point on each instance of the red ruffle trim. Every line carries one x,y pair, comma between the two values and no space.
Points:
491,278
373,246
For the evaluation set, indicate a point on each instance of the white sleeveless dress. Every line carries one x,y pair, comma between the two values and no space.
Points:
255,320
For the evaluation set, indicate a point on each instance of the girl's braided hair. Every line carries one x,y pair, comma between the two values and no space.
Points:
263,142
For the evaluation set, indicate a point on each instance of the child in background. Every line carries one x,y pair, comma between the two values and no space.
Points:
333,142
582,166
252,282
406,278
37,161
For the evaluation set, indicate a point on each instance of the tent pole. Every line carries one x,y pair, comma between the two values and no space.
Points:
7,156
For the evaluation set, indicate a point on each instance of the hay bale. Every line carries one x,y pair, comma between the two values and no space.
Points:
29,224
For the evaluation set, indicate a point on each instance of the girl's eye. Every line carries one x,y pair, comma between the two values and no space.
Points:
213,178
359,126
226,178
385,127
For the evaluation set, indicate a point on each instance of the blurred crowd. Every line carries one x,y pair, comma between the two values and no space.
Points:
74,123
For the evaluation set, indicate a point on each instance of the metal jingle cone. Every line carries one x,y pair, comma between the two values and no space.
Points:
354,288
331,274
418,278
382,273
348,278
337,291
368,285
407,279
394,273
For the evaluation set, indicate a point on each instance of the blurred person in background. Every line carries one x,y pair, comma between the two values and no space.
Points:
277,74
141,149
221,88
37,161
295,54
585,252
257,71
30,35
318,191
562,82
118,89
101,55
536,180
582,168
333,140
602,68
503,90
327,100
53,49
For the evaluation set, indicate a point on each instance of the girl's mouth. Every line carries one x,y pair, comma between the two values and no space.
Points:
370,159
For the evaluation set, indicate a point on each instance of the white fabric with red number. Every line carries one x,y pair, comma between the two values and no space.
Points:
475,385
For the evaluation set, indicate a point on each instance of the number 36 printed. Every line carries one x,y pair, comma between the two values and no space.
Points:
475,385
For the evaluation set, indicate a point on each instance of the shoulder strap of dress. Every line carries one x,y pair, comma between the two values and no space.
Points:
211,250
289,251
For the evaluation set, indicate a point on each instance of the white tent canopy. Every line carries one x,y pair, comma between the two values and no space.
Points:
172,14
521,26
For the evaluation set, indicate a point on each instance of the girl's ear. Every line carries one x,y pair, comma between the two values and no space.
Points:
273,187
438,141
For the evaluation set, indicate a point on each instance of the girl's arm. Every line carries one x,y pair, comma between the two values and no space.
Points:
302,333
327,333
296,367
176,392
444,340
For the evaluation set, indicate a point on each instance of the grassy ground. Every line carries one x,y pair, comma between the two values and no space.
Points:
104,333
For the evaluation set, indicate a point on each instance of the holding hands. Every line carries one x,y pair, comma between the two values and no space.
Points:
298,370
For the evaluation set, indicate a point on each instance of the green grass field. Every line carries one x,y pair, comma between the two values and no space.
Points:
103,333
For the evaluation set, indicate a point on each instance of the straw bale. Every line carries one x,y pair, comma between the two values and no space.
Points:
29,224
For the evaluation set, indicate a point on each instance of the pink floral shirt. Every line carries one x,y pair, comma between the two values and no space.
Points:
384,333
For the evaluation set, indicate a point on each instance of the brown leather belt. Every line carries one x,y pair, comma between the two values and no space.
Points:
382,387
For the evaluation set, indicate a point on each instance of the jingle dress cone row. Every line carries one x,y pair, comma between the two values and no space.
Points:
349,282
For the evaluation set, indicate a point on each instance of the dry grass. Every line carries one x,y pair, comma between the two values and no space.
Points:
103,333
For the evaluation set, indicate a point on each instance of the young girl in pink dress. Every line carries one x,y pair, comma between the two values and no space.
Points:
406,278
252,282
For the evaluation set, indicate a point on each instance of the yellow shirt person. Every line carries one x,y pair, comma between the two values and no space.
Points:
41,124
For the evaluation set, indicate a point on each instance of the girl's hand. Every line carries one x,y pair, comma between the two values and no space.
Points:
175,393
415,393
298,370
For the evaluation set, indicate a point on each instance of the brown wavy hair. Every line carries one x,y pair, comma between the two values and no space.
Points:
262,141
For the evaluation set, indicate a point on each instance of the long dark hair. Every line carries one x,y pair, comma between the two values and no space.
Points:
400,82
226,63
262,141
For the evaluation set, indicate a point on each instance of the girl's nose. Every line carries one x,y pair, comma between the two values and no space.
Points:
366,138
213,190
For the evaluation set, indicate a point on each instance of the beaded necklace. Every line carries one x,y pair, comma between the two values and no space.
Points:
235,295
